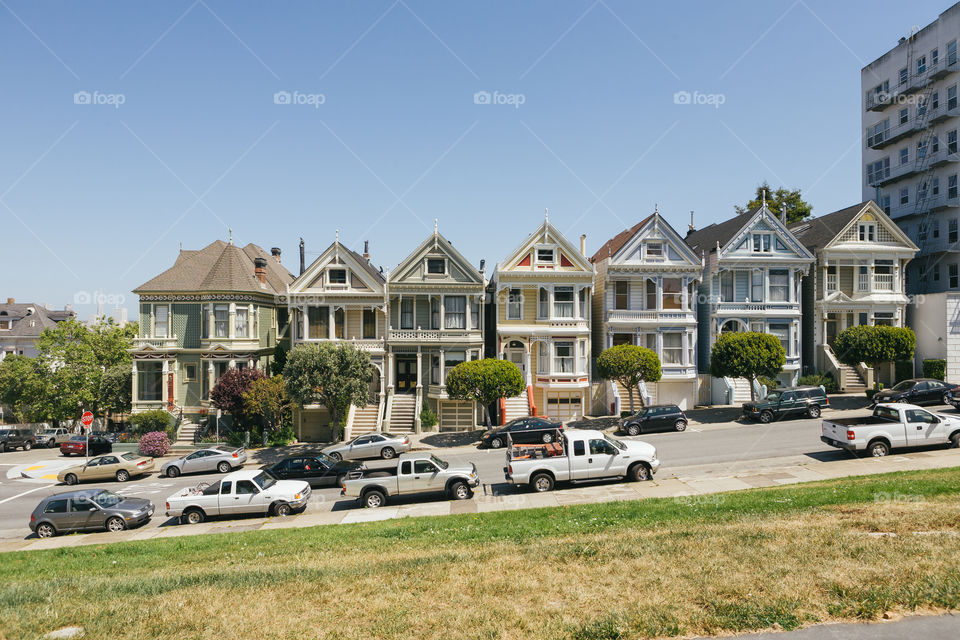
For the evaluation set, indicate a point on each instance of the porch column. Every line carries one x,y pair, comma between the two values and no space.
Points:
211,322
330,319
609,338
684,294
468,312
443,373
250,323
211,378
232,364
659,282
684,344
165,370
442,305
232,326
389,372
134,392
526,363
419,367
306,322
576,302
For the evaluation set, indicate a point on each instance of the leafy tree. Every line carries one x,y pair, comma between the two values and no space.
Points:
227,394
268,398
22,388
629,365
485,381
797,208
747,354
116,389
334,375
74,358
874,345
279,358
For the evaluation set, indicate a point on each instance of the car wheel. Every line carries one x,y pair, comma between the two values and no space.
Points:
542,482
680,425
52,444
27,446
282,510
496,443
3,447
115,524
955,440
122,475
640,473
814,411
70,478
946,398
766,416
460,491
336,456
46,530
223,467
387,453
633,430
878,449
173,472
547,438
374,498
194,516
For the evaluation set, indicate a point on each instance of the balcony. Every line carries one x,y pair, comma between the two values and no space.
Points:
233,344
633,316
895,173
370,345
883,282
435,335
757,307
154,344
881,139
568,323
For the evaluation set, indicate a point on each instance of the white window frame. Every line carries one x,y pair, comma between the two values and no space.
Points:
545,247
157,322
570,357
867,231
675,351
426,267
346,277
660,249
515,304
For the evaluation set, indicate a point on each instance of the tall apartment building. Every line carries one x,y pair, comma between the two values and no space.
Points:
910,158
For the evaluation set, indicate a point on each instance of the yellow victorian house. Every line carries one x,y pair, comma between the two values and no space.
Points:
541,301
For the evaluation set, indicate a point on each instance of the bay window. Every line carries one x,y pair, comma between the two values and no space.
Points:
583,303
474,313
318,319
149,381
673,348
726,286
563,357
161,321
514,310
240,325
338,323
543,358
221,321
621,294
434,313
651,291
782,332
455,312
543,310
756,285
563,302
369,324
779,285
406,313
672,293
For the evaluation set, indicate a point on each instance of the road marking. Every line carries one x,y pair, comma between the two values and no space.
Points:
20,495
35,467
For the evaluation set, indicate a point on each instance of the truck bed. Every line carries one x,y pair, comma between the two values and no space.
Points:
860,421
536,451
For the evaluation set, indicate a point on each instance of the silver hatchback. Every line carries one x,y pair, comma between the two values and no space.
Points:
371,445
220,458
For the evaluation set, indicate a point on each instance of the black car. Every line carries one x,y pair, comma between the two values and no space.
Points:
806,401
654,417
16,439
318,469
918,391
527,430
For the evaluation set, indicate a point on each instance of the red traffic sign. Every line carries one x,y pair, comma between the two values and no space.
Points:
86,419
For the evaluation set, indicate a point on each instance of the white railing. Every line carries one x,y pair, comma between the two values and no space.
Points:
156,343
883,281
750,306
863,282
435,335
625,315
832,283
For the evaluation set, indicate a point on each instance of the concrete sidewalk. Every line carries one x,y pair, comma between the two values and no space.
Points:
694,483
942,627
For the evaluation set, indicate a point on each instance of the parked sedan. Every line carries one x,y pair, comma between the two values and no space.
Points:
78,445
318,469
371,445
86,510
221,458
917,391
121,468
653,418
527,430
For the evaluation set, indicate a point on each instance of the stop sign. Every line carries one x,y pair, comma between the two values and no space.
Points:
86,419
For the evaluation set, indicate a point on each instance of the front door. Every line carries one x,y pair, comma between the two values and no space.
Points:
406,375
516,356
831,331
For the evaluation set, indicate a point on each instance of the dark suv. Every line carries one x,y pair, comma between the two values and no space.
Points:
16,439
658,416
788,401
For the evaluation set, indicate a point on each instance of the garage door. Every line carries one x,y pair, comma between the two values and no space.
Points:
315,426
564,407
456,416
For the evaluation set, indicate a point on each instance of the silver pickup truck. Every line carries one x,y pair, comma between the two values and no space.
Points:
240,492
415,473
892,426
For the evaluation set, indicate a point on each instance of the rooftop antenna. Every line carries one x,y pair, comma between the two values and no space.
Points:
656,209
435,224
338,235
230,231
764,197
546,215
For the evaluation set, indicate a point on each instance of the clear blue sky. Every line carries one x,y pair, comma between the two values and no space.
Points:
94,196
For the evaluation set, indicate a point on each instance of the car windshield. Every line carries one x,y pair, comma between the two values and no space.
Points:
617,443
48,432
129,456
325,459
904,386
5,432
773,396
440,463
264,480
106,499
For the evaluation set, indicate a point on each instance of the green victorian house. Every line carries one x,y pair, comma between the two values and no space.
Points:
215,309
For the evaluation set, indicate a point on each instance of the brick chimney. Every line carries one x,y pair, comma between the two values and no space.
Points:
260,269
366,249
275,252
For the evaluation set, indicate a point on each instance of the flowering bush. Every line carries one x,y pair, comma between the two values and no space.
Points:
155,444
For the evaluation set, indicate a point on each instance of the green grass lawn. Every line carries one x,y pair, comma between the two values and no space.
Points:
780,557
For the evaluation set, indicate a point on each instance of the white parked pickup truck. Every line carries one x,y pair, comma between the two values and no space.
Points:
240,492
578,455
891,426
414,473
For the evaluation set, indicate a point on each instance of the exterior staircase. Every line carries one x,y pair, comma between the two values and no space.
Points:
185,434
365,419
741,390
516,407
402,413
850,380
637,400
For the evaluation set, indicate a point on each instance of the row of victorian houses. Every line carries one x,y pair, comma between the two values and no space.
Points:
547,306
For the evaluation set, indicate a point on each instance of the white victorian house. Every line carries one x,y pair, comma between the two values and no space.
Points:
435,321
645,294
541,295
753,268
340,298
858,280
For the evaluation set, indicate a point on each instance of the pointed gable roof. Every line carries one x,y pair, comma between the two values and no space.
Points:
625,239
351,258
570,256
708,238
433,243
616,243
820,232
219,266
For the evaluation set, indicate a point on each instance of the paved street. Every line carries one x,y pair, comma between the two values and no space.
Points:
944,627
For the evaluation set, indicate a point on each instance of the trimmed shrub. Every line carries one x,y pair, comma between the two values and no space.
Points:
428,419
903,370
823,379
935,368
152,420
155,443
